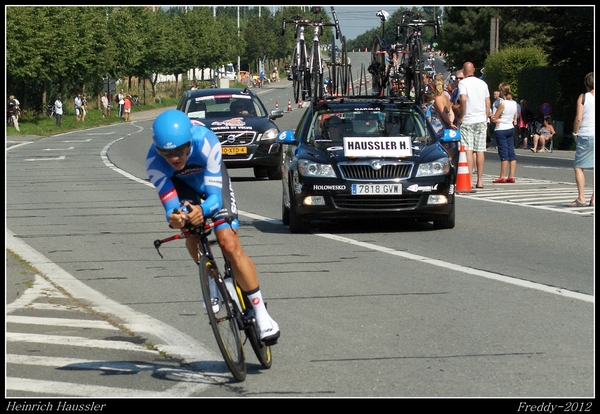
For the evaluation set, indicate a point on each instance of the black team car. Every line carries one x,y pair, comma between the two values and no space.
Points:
367,158
242,123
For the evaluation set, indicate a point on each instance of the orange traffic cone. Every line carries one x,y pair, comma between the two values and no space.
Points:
276,105
299,103
289,105
463,179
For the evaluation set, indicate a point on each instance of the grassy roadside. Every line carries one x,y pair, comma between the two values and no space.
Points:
43,125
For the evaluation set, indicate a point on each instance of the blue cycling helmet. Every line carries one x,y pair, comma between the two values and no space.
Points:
171,129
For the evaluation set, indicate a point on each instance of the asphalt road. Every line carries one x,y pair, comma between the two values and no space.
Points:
499,307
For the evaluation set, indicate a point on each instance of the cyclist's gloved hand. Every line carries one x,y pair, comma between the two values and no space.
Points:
194,214
177,219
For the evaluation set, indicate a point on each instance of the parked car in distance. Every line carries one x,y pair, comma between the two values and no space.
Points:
242,123
366,158
429,70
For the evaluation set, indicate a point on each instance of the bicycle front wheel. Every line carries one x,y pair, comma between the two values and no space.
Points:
316,74
224,320
417,65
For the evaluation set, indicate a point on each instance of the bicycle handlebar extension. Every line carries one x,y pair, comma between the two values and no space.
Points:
202,229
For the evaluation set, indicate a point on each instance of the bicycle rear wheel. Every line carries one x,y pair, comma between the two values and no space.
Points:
316,74
305,68
417,64
345,68
225,322
377,67
295,67
297,76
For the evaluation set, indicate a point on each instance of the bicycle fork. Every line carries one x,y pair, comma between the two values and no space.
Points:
246,311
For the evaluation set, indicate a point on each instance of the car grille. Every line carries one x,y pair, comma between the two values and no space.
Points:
381,203
365,171
236,138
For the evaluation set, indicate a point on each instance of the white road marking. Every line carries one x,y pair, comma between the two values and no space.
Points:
60,158
72,323
445,265
75,341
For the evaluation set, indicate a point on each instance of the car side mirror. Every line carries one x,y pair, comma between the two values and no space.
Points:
450,135
276,113
286,137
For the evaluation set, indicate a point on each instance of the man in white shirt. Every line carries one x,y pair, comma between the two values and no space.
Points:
472,120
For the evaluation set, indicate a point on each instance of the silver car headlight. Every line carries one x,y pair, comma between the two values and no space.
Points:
437,167
314,169
268,135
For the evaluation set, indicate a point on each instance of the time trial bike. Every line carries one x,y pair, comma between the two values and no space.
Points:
232,317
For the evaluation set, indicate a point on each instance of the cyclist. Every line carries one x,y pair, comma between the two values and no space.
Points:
184,164
328,83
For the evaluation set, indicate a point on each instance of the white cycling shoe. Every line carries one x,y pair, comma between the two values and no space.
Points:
269,332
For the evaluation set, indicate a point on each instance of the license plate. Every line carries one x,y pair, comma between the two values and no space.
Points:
376,189
234,150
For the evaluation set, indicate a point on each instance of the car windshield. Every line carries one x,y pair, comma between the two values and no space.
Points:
223,106
329,128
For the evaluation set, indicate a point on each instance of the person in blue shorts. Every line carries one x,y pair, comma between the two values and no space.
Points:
184,164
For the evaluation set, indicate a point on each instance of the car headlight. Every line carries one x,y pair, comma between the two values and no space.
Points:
270,134
437,167
314,169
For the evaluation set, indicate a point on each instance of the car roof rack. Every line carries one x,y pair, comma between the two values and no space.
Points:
401,100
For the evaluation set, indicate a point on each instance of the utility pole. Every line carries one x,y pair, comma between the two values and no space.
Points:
238,27
494,34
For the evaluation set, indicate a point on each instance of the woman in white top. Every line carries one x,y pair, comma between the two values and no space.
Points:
505,119
583,132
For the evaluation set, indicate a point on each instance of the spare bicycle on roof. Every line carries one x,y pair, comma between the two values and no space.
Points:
397,68
308,69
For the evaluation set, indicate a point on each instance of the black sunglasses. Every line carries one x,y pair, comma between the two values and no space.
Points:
180,151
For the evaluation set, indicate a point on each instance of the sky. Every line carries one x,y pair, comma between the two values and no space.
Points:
356,20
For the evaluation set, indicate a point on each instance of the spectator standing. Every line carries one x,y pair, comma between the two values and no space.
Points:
127,107
194,87
504,120
517,130
583,132
77,107
472,121
440,77
497,100
17,105
261,81
525,119
545,133
121,103
84,107
455,99
104,103
452,87
58,110
491,127
442,116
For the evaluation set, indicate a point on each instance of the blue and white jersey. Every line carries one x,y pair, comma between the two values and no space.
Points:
202,173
